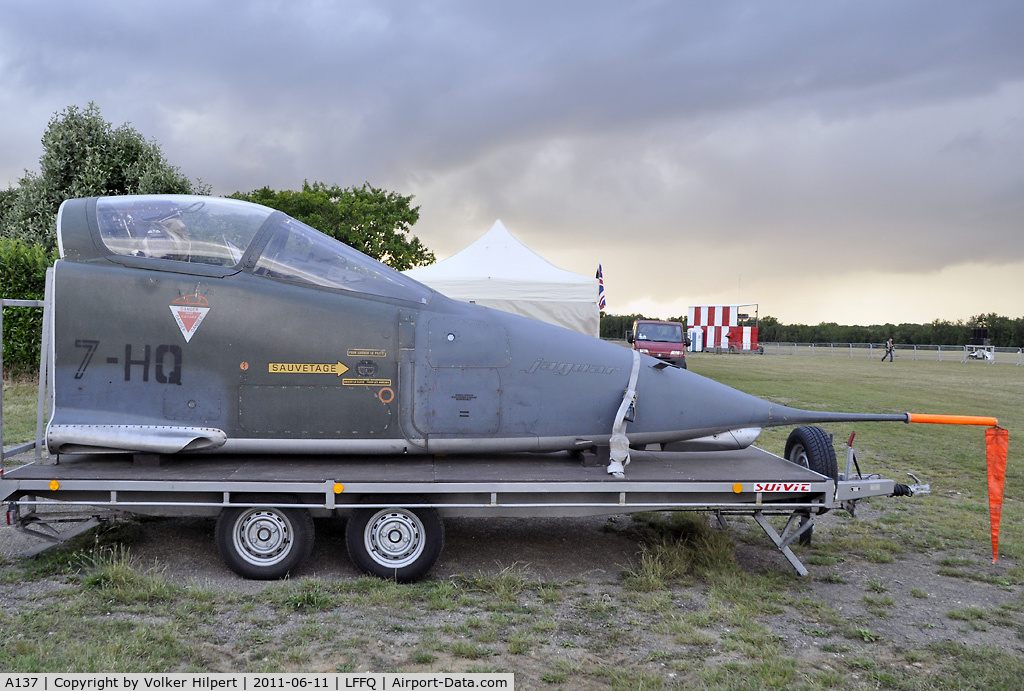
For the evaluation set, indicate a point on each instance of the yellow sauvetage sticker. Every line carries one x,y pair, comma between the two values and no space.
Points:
307,368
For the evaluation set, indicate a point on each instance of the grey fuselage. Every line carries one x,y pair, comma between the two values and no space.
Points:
156,352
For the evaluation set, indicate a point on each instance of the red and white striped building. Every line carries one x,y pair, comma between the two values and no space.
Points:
717,327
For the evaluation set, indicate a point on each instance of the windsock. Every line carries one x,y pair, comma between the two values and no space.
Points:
997,440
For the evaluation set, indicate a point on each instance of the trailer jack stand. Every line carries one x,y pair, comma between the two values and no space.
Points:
797,525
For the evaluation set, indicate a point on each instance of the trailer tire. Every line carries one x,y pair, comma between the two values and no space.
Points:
811,448
264,542
395,543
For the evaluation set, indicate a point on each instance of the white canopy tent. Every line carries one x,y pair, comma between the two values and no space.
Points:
500,271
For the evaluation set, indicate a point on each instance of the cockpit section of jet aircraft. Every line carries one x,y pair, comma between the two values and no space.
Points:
235,235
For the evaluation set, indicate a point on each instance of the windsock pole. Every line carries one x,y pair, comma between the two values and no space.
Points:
952,419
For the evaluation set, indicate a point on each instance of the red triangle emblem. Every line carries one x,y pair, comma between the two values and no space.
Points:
188,319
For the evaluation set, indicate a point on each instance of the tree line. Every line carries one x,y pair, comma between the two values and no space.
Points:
615,326
1002,332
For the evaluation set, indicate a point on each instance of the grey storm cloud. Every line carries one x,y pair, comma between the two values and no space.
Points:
790,129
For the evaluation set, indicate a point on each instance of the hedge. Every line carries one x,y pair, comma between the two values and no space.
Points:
22,277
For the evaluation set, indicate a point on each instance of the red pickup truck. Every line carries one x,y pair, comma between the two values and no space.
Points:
664,340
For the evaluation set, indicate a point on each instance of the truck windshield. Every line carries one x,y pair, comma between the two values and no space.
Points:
671,333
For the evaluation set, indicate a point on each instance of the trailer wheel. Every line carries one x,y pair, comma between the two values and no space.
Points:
264,542
811,447
396,543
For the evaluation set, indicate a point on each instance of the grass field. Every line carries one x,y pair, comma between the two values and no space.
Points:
951,458
904,596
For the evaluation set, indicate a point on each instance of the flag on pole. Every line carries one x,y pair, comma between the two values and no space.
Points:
600,289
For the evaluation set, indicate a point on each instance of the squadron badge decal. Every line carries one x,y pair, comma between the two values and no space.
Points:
189,312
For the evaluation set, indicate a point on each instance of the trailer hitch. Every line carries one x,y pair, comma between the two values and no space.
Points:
853,473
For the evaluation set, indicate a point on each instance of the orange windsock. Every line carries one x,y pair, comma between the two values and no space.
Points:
997,440
952,419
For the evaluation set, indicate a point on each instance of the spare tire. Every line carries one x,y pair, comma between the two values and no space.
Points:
811,447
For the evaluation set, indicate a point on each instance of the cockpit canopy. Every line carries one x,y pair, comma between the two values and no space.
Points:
220,236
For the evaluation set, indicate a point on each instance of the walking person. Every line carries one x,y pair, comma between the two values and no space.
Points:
889,349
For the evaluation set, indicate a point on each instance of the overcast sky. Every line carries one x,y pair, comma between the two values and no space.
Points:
858,162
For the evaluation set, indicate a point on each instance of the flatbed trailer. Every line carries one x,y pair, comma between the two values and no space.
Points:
395,505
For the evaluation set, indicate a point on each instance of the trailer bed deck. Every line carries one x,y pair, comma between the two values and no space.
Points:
748,465
456,485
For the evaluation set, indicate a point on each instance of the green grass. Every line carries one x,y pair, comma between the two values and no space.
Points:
951,458
20,395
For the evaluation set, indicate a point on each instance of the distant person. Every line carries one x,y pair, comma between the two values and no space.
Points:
889,348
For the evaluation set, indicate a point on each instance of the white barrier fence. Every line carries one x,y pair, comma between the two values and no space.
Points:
945,353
